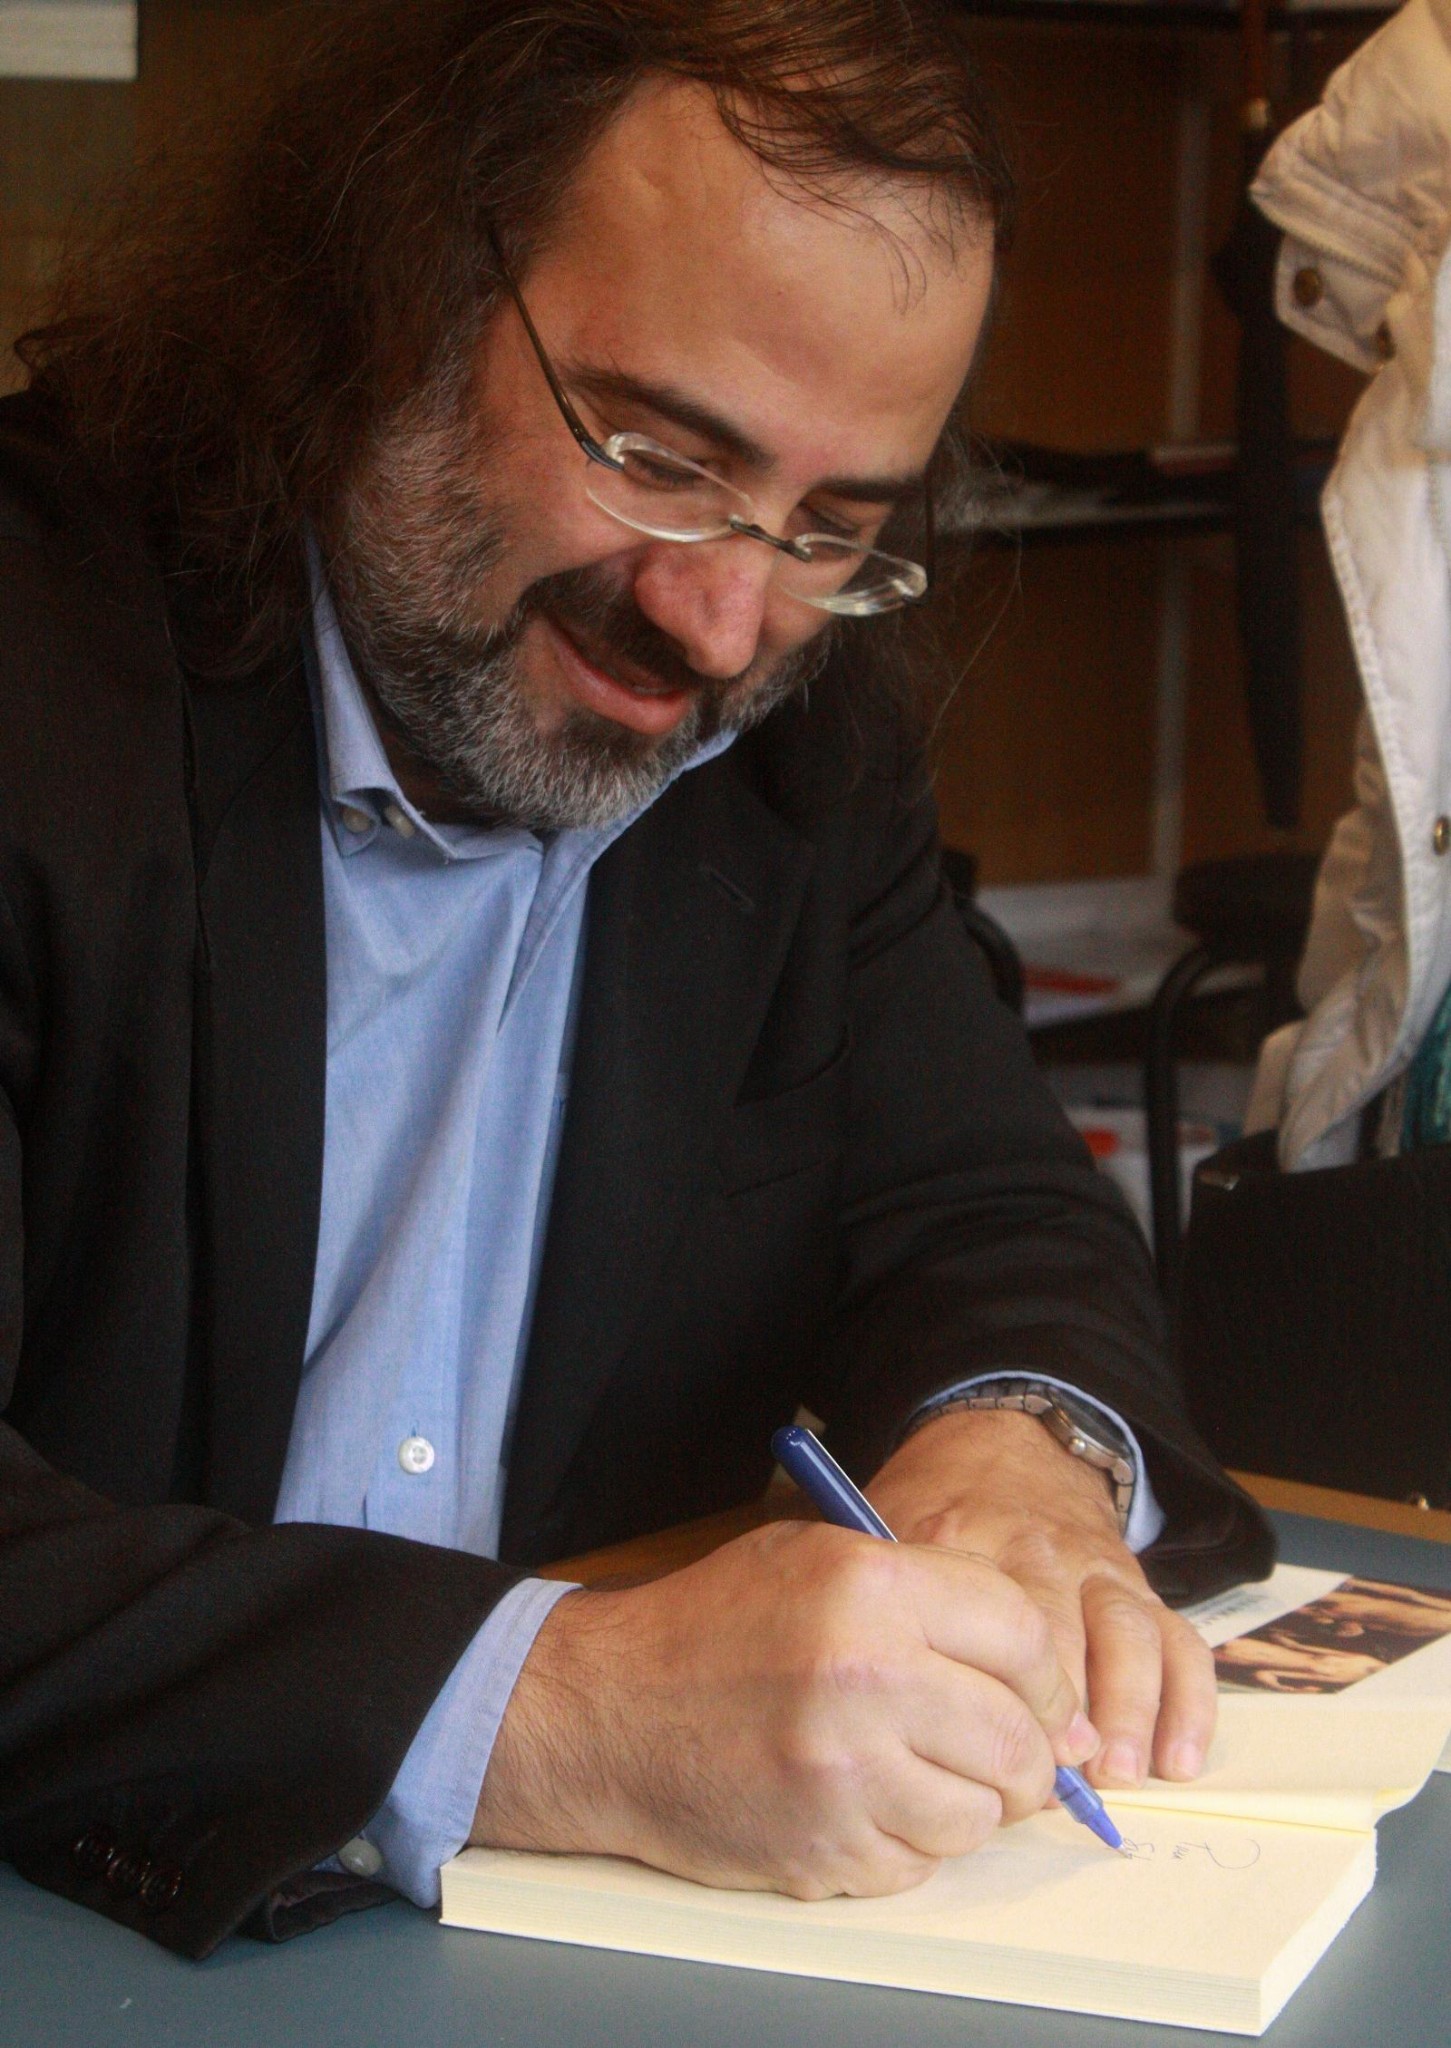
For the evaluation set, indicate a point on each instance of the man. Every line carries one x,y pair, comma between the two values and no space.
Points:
484,1033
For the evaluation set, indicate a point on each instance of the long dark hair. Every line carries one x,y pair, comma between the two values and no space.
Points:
251,317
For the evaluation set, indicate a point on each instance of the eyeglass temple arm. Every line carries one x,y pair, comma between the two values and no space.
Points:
572,420
929,531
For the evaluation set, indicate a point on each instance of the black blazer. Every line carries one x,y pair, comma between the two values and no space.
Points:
806,1158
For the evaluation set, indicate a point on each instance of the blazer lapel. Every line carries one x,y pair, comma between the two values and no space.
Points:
260,1072
690,915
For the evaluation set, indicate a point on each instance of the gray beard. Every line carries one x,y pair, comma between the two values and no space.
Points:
405,583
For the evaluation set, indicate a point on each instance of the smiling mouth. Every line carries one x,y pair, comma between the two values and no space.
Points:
634,700
636,681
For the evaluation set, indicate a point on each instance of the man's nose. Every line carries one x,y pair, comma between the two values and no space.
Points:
710,597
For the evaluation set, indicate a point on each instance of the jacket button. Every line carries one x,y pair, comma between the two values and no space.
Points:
126,1874
1441,834
93,1851
161,1889
1308,287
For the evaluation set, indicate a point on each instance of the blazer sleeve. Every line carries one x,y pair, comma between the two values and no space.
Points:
193,1713
978,1236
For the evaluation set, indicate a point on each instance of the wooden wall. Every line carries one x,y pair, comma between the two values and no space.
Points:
1046,754
1046,757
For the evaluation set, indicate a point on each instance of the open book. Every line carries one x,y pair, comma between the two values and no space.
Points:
1233,1889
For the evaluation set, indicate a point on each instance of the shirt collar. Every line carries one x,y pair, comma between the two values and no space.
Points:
362,795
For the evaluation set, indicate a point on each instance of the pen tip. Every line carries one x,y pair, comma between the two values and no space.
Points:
1107,1833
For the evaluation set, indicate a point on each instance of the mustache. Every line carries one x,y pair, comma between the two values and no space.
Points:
609,624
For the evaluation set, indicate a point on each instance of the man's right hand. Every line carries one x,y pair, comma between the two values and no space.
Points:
806,1710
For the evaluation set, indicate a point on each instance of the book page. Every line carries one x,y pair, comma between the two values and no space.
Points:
1332,1634
1313,1762
1205,1922
1232,1888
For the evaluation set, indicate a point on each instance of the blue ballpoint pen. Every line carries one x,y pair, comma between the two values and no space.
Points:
822,1480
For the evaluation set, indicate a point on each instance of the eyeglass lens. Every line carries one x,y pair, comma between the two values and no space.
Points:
662,494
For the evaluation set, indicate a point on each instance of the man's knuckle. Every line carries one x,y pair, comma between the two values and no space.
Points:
823,1772
1033,1629
1038,1551
835,1661
862,1574
1184,1640
1017,1750
1129,1614
974,1822
1026,1634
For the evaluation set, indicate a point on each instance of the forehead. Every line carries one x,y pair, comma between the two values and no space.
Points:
679,253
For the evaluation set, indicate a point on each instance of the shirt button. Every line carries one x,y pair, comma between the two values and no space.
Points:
1308,287
357,820
399,819
1385,342
360,1858
416,1454
1441,834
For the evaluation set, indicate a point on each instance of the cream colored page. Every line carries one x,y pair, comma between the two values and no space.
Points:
1191,1925
1423,1677
1421,1680
1315,1762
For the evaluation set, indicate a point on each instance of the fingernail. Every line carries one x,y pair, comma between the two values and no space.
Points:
1081,1738
1119,1765
1185,1760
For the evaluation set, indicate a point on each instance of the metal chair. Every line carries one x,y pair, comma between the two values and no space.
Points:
1253,910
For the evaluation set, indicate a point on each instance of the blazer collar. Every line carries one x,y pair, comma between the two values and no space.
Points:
690,916
259,1077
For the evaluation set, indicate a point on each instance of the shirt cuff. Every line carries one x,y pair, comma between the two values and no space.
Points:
428,1814
1145,1522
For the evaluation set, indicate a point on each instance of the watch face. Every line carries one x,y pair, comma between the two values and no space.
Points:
1089,1441
1088,1431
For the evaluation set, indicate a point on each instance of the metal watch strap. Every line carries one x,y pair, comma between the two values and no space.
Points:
1083,1433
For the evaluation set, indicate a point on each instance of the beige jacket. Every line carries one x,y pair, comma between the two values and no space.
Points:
1362,188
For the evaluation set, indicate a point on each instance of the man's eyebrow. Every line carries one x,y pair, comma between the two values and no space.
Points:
670,403
875,490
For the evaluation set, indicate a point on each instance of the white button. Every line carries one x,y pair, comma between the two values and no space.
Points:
402,824
416,1454
357,820
360,1858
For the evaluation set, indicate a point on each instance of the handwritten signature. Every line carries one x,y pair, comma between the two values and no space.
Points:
1241,1854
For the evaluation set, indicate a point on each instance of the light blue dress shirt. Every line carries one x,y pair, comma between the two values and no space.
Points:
453,965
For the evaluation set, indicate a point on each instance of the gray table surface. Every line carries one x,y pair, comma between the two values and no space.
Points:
394,1979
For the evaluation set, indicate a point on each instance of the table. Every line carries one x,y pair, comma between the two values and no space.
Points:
393,1979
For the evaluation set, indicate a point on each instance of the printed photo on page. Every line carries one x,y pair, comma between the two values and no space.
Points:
1353,1631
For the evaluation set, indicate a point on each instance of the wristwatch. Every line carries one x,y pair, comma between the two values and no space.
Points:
1084,1431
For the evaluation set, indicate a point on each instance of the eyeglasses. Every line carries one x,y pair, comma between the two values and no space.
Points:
654,491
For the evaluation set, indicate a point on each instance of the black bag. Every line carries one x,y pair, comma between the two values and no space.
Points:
1315,1319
